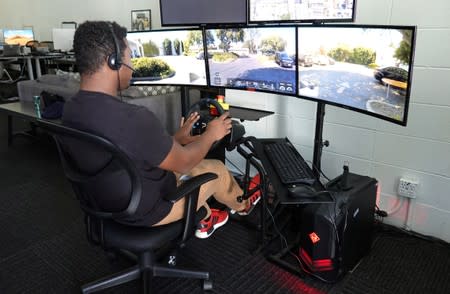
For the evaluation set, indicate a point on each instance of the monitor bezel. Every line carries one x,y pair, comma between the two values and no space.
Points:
364,111
149,83
202,24
208,76
303,21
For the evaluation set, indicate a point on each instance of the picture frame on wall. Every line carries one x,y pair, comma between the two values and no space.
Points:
141,20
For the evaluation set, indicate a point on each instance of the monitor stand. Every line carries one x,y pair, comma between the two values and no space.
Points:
318,140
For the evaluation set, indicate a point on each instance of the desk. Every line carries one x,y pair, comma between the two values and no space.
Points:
38,58
394,83
28,59
23,57
67,62
22,109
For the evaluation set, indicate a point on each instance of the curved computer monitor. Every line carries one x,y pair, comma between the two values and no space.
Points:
253,58
164,57
202,12
17,37
312,11
360,67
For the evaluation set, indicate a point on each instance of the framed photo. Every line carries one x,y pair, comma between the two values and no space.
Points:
141,20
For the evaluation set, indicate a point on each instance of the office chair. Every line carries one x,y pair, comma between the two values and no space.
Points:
107,228
5,73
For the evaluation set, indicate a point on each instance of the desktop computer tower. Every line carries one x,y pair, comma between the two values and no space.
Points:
335,236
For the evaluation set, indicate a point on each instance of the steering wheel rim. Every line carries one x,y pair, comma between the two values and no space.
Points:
200,126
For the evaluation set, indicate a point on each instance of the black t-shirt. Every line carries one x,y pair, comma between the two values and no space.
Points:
139,133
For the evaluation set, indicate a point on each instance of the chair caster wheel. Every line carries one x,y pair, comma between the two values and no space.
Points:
207,285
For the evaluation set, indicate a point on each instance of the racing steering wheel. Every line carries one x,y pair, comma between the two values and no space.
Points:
237,130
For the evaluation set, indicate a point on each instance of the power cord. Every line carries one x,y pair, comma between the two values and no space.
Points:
320,171
379,212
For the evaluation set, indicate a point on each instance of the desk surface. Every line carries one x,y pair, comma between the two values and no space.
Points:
31,56
243,113
22,109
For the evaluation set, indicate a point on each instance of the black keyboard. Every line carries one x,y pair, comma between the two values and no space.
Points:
288,163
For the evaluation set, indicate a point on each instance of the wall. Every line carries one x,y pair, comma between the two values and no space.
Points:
44,15
372,147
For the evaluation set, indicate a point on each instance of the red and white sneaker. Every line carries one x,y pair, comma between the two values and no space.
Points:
217,219
254,198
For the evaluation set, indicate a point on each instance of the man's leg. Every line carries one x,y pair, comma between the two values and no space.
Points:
225,189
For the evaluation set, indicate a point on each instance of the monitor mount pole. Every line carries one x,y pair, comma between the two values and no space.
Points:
318,140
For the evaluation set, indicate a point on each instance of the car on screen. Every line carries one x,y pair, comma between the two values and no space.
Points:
305,60
283,59
391,72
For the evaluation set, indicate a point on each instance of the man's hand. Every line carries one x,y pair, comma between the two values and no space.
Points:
183,158
183,135
219,127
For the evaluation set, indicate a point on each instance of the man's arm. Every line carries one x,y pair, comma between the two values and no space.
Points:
183,158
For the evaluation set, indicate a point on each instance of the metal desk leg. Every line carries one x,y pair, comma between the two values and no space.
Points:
30,69
38,67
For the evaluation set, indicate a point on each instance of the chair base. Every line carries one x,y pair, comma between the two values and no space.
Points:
136,272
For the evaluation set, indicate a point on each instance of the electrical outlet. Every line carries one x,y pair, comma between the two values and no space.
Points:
408,187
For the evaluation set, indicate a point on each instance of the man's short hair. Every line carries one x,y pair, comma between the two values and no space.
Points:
93,43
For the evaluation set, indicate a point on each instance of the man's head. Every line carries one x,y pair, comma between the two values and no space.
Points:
101,47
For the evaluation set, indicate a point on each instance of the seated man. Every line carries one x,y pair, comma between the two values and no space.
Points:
103,60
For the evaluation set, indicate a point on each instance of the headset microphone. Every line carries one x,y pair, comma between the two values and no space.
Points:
128,66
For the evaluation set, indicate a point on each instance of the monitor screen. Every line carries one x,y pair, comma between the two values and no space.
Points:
301,11
253,58
168,57
63,39
363,68
202,12
18,37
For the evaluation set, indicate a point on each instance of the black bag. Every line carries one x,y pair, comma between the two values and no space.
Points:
53,105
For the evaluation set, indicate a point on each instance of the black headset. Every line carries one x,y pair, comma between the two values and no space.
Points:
115,59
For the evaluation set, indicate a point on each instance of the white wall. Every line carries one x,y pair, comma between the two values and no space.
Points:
44,15
371,146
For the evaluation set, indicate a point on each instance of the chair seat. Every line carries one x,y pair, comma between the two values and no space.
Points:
140,239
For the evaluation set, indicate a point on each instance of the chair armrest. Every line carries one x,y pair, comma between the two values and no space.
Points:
190,189
189,186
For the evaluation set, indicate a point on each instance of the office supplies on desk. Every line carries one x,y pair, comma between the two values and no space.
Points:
11,50
288,163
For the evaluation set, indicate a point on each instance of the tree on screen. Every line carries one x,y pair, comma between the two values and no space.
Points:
274,43
403,52
227,37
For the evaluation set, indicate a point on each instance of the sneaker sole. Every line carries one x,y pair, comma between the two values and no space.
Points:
251,209
204,235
